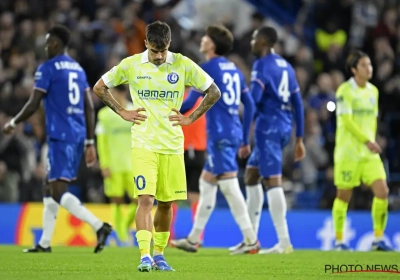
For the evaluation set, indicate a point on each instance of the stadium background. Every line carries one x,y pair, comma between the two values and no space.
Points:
315,36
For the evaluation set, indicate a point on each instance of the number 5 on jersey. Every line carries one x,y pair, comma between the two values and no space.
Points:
74,92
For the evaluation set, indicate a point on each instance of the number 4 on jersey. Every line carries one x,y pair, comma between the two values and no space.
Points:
283,89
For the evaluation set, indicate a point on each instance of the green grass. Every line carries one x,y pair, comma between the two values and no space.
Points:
121,263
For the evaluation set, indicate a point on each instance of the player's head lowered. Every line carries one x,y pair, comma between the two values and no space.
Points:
218,40
57,40
359,65
158,38
263,40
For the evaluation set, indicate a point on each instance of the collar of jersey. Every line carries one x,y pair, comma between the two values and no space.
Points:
354,84
145,57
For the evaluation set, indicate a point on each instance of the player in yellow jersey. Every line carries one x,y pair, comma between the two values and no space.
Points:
157,80
356,155
114,148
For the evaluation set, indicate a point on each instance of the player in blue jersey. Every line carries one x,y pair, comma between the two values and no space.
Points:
276,93
226,136
61,83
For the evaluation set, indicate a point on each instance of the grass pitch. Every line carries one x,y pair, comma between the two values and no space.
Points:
121,263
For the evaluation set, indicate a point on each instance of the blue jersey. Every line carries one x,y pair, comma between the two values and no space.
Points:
64,82
278,81
222,119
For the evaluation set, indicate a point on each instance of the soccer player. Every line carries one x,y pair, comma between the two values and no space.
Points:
356,155
61,83
157,80
225,138
276,93
113,144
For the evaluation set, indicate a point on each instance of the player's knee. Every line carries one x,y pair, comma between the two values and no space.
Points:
58,188
164,206
146,202
251,177
380,189
344,195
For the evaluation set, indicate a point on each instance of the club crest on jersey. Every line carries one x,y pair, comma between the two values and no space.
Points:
172,78
372,100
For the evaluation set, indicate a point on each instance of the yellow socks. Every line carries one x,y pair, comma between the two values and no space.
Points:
118,225
379,213
143,238
130,216
339,213
160,242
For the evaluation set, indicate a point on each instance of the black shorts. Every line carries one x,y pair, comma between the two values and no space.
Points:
194,163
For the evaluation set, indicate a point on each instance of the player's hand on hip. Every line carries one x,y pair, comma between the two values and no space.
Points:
179,119
374,147
133,115
90,156
105,172
244,151
8,128
299,150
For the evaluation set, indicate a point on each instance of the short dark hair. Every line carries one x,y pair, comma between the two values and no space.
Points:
269,34
61,32
353,59
221,37
158,34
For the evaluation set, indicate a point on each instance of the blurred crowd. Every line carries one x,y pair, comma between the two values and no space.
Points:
103,32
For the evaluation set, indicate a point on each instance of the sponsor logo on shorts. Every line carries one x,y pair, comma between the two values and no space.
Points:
176,192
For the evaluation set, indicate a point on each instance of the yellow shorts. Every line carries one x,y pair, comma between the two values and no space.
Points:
348,175
159,175
118,184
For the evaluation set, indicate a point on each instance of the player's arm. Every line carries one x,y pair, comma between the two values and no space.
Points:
248,115
258,82
42,83
102,144
190,101
117,76
200,80
212,95
89,116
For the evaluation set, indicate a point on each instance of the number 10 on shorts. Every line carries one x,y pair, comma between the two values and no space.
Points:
140,182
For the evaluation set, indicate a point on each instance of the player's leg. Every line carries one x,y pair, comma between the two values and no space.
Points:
50,210
374,174
270,167
254,190
346,177
225,169
171,186
145,170
129,185
113,189
64,163
207,199
255,197
193,173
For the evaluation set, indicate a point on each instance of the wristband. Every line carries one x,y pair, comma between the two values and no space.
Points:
89,142
12,123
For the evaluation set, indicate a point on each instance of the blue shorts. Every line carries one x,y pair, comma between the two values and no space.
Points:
267,152
63,160
221,156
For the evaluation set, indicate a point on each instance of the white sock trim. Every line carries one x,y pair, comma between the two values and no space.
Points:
255,202
278,208
50,211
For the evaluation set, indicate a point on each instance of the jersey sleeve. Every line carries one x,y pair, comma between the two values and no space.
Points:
195,76
343,101
42,78
118,75
257,74
293,84
243,86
